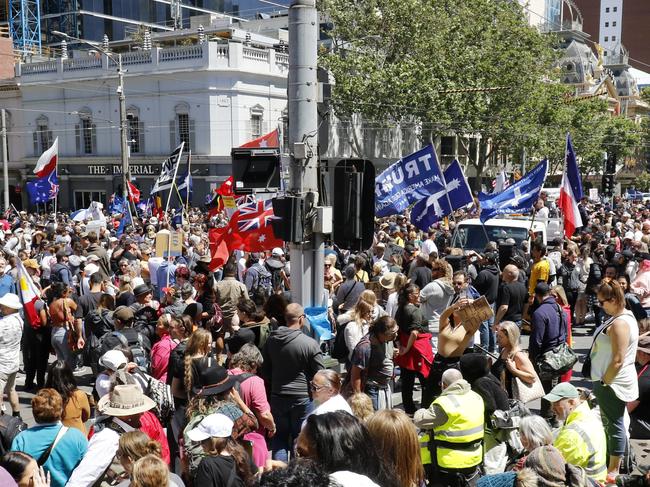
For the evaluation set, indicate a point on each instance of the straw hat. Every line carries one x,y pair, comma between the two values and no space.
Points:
387,281
125,400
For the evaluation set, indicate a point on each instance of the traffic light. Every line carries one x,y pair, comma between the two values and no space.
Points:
610,163
290,213
255,170
354,204
607,185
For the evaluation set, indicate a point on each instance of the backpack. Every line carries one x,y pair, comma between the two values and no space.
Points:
97,324
161,393
135,342
340,349
277,284
10,426
263,286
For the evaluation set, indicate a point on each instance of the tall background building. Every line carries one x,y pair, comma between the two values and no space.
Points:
613,23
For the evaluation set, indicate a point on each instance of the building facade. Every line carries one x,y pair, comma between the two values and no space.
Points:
619,22
213,96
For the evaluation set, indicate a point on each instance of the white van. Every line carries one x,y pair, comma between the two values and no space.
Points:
471,234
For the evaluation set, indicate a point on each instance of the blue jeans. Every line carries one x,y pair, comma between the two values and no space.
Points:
488,337
289,412
59,341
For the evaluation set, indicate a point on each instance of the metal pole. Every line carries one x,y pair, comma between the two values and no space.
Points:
5,163
306,258
124,147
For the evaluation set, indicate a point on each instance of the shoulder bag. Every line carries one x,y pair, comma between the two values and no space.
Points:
559,359
46,454
524,392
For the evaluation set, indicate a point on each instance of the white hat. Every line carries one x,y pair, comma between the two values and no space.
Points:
277,251
93,258
113,360
12,301
629,235
212,426
91,268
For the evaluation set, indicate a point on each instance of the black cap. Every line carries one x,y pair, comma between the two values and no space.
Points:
240,338
542,289
209,378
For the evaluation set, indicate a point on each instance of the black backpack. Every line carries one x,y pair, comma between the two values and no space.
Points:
340,349
10,426
134,340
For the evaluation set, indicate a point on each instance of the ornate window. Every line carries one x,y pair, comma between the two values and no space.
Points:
135,130
86,133
257,120
42,135
181,129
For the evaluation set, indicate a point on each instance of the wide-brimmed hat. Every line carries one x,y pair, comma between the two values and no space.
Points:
210,378
31,264
125,400
387,281
141,289
12,301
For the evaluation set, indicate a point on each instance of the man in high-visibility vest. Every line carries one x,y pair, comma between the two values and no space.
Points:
581,439
456,418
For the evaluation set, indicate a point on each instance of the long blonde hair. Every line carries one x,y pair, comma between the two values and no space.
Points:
396,440
198,346
136,444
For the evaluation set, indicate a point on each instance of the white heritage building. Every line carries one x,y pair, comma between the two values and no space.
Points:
214,89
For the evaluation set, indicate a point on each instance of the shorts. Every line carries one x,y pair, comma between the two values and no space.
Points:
7,382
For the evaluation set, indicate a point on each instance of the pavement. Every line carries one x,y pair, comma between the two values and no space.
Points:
582,337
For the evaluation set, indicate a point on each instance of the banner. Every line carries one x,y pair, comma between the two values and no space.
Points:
432,209
517,198
409,180
166,178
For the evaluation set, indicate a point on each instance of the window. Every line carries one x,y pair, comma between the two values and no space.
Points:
614,24
42,135
606,10
135,132
184,129
614,9
181,129
613,38
82,199
606,24
606,38
257,119
86,133
447,146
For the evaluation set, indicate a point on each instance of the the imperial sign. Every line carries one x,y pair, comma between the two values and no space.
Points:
136,170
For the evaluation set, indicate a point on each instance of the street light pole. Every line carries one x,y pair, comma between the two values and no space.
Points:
124,148
5,163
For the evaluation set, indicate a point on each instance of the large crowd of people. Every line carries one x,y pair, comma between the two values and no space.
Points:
216,377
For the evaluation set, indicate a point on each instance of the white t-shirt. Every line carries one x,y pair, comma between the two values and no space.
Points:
428,246
335,403
11,333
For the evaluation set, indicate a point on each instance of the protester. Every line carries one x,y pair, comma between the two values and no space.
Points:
76,409
11,330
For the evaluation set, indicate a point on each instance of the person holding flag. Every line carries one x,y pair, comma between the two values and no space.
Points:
36,335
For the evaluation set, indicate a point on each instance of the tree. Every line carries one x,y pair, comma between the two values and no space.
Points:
461,66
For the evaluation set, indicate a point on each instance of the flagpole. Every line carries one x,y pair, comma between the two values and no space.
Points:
127,180
178,163
187,189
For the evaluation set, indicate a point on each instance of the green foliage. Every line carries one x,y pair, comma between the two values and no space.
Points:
642,183
409,60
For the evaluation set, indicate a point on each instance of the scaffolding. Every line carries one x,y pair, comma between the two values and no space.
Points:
25,25
62,16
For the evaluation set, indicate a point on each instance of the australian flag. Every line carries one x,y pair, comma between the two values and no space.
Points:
253,216
453,196
517,198
43,189
117,204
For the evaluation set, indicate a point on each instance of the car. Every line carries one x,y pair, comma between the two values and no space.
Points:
472,235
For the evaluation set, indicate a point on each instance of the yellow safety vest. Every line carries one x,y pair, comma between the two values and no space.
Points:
583,443
425,453
459,442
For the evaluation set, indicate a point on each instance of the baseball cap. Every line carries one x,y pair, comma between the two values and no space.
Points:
123,313
277,252
563,390
212,426
113,360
